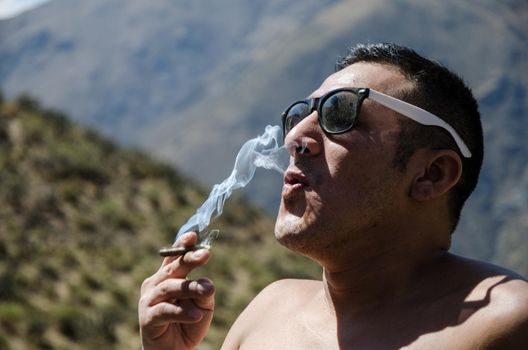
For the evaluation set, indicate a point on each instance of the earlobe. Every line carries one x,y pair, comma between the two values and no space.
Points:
422,187
438,175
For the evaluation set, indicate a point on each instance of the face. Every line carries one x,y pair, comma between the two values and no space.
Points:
343,185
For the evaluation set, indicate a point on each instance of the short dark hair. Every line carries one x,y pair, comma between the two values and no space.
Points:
441,92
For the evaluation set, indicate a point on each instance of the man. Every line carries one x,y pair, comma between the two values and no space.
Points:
373,193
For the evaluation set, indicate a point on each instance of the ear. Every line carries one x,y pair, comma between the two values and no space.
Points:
440,172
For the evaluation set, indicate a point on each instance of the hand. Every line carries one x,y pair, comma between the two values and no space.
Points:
175,313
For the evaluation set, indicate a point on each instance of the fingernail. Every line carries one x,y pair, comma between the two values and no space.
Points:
185,236
199,253
204,288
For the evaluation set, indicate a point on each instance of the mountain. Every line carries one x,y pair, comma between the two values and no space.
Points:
190,81
81,221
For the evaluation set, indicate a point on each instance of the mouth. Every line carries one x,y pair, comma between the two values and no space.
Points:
294,183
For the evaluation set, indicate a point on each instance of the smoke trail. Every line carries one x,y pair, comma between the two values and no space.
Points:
264,152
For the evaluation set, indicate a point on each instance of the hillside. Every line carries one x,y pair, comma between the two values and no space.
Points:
81,220
190,86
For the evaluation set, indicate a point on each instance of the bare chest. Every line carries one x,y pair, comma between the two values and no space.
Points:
294,332
300,332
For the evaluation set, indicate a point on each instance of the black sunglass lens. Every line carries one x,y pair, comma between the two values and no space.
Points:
338,112
295,114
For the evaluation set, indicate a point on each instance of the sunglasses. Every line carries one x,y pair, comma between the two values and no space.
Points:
339,109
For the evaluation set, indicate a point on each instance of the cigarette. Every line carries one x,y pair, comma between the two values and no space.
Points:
178,251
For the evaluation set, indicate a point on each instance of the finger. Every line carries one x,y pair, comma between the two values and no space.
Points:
178,268
188,239
181,267
188,304
192,259
177,289
207,302
162,313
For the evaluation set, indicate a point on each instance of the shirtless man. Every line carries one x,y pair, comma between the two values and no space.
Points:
373,196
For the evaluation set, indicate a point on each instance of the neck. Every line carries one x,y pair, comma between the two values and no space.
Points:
364,282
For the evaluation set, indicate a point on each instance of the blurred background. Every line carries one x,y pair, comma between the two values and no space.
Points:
116,117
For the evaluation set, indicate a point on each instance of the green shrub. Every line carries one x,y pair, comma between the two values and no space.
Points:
28,103
11,312
75,324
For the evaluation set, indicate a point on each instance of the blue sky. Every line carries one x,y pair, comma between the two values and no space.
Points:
11,8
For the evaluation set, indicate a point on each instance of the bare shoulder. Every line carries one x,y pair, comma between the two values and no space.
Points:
273,303
502,297
281,296
494,280
507,311
294,289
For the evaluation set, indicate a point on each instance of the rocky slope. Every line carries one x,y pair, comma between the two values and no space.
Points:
81,221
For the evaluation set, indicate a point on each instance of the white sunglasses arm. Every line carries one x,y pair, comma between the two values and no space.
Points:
418,115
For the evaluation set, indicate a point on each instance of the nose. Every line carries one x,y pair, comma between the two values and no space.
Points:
304,140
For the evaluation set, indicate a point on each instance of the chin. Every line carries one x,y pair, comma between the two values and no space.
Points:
289,222
296,234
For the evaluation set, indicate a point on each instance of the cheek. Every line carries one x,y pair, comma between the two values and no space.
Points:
353,178
343,165
341,182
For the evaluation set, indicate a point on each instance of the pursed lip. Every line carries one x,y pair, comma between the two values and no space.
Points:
294,181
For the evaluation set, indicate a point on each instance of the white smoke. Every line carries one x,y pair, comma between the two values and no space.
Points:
264,151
